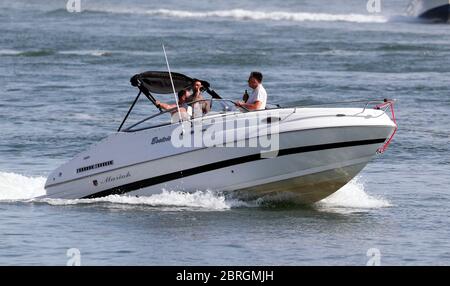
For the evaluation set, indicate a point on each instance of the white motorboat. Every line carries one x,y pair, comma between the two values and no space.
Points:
435,10
304,153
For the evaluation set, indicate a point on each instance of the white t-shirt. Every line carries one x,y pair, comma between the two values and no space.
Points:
258,94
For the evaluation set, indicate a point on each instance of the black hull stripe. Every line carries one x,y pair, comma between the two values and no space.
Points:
223,164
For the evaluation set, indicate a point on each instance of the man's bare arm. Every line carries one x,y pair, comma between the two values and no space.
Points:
165,106
251,106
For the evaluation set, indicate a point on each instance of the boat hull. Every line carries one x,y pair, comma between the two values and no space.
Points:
305,175
440,13
306,189
311,164
433,10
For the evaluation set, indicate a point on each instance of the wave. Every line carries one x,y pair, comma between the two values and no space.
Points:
206,200
28,53
241,14
103,53
95,53
9,52
82,53
84,116
15,187
42,53
352,198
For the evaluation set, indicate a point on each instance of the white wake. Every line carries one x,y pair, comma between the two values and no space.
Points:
208,200
352,197
16,187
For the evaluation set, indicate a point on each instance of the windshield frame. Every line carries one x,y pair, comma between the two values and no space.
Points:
131,128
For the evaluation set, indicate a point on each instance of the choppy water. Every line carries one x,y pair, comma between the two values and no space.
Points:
64,84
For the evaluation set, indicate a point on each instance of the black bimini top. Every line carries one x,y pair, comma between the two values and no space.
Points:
159,82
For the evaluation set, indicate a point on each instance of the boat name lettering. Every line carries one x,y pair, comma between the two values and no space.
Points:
111,179
157,140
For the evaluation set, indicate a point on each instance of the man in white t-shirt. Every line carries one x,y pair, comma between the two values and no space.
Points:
257,100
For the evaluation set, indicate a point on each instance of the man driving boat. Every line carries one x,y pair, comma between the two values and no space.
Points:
257,100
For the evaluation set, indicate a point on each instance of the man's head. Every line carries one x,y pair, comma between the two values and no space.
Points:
182,96
255,79
196,86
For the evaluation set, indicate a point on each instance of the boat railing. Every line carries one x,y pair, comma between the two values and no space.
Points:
366,103
380,104
227,106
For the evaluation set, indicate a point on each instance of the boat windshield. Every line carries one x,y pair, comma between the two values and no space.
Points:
189,111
